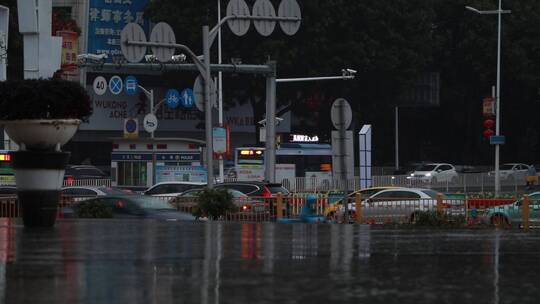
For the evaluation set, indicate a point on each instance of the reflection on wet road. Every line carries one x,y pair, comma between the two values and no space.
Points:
107,261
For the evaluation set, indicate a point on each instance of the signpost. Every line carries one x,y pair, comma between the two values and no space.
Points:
116,85
364,142
150,123
198,93
131,128
131,85
263,8
187,98
100,85
497,140
172,98
106,19
134,44
342,146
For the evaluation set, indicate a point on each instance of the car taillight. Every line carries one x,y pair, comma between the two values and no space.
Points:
266,193
69,180
245,208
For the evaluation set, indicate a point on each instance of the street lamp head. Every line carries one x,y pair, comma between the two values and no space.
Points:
92,58
472,9
348,73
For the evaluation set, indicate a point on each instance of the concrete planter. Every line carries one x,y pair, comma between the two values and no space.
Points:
39,165
39,176
41,134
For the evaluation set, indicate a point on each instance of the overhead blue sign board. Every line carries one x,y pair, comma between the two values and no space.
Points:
173,98
187,98
131,85
107,18
497,140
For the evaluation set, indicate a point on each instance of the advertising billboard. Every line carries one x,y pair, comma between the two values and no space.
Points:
107,18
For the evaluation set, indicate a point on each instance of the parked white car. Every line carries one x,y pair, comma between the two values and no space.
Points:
403,203
512,172
435,173
172,189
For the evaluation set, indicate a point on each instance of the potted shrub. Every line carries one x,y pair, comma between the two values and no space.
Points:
214,204
41,115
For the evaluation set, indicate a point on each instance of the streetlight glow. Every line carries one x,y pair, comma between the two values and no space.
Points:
472,9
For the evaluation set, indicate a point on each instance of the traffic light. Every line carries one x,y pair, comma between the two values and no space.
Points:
488,128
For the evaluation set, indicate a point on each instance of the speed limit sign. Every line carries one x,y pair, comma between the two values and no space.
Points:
100,85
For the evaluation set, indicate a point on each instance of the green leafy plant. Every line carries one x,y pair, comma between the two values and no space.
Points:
437,219
43,99
94,209
214,203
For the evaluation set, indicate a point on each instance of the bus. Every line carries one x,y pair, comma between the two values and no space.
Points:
7,175
292,160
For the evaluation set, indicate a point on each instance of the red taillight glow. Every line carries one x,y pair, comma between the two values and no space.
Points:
266,193
245,208
69,180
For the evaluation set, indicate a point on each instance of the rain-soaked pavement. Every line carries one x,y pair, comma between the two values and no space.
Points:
119,261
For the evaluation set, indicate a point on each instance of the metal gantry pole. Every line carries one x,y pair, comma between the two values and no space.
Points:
397,137
208,108
270,151
498,106
220,92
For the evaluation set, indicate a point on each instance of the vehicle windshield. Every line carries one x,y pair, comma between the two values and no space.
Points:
275,189
426,168
236,193
151,202
506,167
433,194
114,191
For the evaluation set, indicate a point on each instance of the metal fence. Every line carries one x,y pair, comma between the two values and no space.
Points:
522,213
105,182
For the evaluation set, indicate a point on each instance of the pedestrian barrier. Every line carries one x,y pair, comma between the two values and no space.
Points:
443,211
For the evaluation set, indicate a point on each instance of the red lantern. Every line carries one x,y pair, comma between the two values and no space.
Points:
489,123
488,133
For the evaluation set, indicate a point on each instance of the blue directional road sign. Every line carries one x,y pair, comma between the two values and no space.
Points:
497,140
130,85
115,85
173,98
187,98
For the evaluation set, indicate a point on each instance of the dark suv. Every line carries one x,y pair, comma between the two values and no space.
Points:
75,172
258,189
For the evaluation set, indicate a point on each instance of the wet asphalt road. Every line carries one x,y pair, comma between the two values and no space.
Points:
123,261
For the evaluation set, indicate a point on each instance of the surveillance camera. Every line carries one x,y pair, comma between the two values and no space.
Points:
92,57
150,58
178,58
351,71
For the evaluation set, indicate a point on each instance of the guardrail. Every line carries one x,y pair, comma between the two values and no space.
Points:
465,212
463,183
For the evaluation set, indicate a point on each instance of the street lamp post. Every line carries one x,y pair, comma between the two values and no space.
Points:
499,12
270,146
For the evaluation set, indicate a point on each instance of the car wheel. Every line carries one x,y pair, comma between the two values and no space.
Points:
500,221
331,216
352,217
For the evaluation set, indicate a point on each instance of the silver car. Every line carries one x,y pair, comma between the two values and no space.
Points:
403,205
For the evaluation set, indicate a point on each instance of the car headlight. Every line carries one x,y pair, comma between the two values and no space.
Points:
428,174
